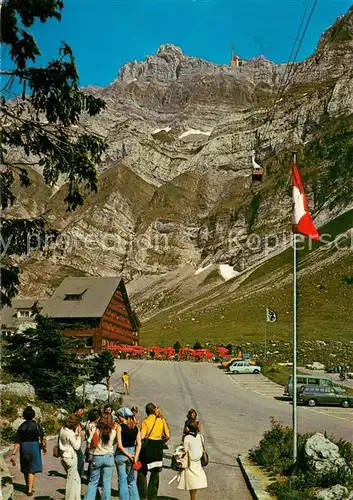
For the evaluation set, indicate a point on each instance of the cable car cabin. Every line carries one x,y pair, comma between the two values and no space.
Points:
257,174
257,170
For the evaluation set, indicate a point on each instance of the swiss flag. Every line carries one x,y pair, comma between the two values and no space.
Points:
302,221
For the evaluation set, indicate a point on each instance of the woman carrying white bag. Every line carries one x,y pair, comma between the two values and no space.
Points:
193,477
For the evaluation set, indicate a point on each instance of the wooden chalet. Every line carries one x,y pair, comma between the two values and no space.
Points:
95,310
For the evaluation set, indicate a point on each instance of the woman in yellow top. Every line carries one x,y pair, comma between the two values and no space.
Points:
154,433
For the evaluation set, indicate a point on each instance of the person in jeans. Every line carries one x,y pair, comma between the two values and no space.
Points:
127,454
79,412
93,419
101,446
69,443
155,431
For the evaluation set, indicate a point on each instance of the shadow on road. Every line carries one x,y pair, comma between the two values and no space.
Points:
19,487
282,398
167,498
56,473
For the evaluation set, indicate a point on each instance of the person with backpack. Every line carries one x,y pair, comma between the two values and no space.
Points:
69,442
30,441
154,434
193,478
127,454
101,443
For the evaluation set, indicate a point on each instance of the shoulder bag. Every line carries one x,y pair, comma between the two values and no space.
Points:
145,439
56,449
144,442
204,459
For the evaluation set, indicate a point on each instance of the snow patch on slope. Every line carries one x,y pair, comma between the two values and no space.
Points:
192,131
201,269
227,272
166,129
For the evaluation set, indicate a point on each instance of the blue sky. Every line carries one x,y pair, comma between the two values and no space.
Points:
105,34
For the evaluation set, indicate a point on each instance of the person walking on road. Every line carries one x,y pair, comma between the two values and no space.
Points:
79,412
191,417
30,440
69,444
155,432
193,477
127,454
126,382
101,446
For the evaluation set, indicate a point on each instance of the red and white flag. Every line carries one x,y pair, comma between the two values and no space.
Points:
302,221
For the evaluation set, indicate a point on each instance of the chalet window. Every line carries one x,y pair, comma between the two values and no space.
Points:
24,314
73,296
88,341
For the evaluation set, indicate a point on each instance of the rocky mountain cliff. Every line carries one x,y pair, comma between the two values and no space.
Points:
176,192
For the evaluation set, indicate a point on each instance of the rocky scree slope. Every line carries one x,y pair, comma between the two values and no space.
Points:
175,186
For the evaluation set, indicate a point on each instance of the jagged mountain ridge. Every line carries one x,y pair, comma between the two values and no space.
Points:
168,204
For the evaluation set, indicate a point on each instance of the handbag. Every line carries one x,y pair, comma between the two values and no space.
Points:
95,439
145,439
56,450
205,458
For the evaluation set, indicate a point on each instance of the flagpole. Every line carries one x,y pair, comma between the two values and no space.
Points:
294,407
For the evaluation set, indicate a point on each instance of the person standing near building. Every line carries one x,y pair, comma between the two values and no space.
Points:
79,412
135,411
30,440
108,410
126,383
69,444
93,419
127,454
101,443
155,431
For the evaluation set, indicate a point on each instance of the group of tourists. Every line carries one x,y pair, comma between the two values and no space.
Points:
113,441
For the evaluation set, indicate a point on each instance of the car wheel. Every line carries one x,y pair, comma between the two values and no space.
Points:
235,372
312,402
345,404
256,371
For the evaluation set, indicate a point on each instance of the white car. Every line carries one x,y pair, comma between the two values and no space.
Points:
243,367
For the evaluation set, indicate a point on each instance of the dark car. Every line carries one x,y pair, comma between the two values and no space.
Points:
313,396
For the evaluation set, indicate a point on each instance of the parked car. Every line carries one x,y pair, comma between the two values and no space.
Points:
310,381
243,367
313,396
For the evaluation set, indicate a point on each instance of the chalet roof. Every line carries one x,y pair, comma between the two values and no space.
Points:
95,295
9,314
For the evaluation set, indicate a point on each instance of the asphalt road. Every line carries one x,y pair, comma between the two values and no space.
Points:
234,411
234,417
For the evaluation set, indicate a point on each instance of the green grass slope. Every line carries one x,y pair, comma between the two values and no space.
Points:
229,314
